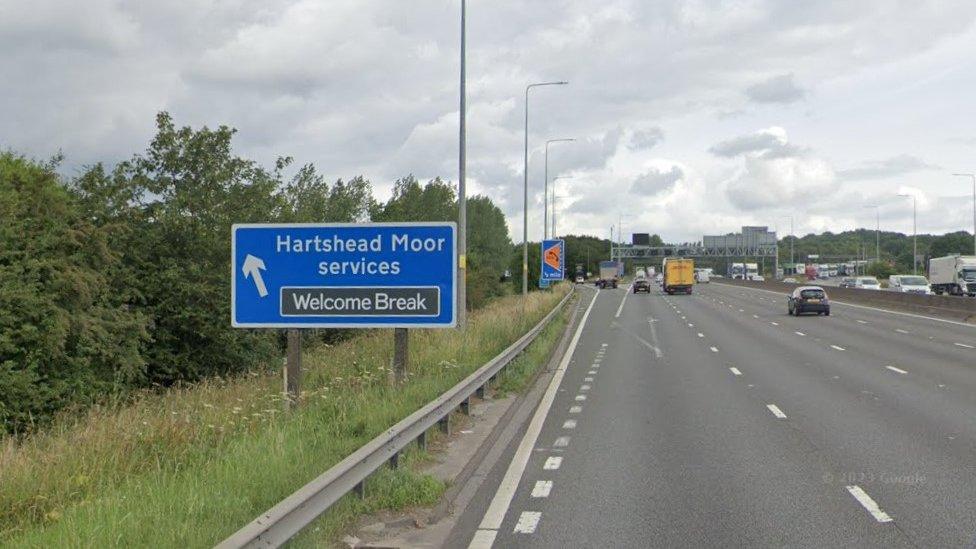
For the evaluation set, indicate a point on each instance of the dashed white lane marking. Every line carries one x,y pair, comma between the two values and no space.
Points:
621,307
862,321
741,311
584,387
603,345
755,316
552,463
800,333
483,539
735,371
690,325
838,347
776,411
569,424
775,323
542,488
714,349
591,372
575,409
701,334
527,523
502,499
893,369
865,500
561,442
580,398
587,379
964,345
900,331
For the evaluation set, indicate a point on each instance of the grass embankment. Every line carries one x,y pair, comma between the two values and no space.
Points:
189,467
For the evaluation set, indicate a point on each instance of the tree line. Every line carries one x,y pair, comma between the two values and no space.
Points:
117,278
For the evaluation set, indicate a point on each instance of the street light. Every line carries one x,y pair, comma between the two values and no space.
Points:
914,231
525,189
462,306
877,233
972,175
554,179
545,194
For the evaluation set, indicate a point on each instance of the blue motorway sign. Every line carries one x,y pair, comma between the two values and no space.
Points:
553,253
346,275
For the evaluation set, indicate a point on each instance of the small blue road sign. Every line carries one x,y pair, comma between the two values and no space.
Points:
356,275
552,259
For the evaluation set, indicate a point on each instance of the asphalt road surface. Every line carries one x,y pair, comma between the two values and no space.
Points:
717,420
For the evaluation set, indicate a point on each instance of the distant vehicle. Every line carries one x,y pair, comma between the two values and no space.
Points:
737,271
659,278
609,274
640,273
790,280
867,283
641,283
758,278
752,271
808,299
580,279
580,273
953,275
679,275
909,284
702,276
823,271
847,282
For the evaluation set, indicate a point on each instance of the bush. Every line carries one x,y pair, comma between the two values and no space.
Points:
65,336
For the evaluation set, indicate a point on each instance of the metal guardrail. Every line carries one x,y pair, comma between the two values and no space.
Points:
277,525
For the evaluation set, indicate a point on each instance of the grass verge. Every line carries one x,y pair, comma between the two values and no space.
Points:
189,467
412,487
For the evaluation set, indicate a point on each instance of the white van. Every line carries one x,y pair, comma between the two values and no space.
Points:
909,284
701,276
867,283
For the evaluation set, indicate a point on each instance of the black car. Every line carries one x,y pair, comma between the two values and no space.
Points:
847,282
808,299
641,284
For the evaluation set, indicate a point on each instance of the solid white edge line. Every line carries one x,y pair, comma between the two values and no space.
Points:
865,500
776,411
506,489
893,369
483,539
846,304
964,345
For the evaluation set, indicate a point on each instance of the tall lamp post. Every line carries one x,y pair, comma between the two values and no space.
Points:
914,231
525,189
554,179
877,233
462,243
545,194
973,176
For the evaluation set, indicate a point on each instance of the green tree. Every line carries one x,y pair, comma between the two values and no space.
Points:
959,242
435,201
66,338
175,204
489,247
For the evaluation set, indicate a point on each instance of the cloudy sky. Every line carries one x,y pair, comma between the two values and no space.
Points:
692,117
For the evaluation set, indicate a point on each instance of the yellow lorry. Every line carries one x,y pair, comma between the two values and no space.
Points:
679,275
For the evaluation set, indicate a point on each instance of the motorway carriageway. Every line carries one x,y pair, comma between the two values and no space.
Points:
717,420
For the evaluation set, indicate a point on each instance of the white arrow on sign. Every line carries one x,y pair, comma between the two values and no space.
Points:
252,268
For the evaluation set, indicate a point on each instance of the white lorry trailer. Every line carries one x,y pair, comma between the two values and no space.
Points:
953,275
